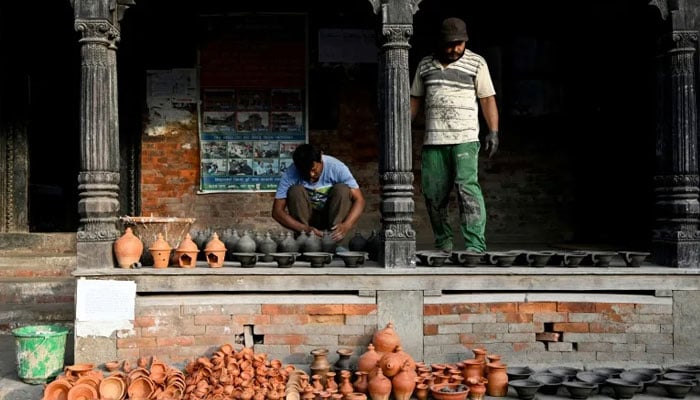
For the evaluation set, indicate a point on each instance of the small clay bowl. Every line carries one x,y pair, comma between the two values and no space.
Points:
501,259
573,259
538,258
591,377
467,258
580,390
633,258
318,258
638,377
648,371
525,388
602,258
685,368
680,376
449,391
550,382
676,389
609,372
519,373
247,260
284,260
568,373
433,258
352,259
623,389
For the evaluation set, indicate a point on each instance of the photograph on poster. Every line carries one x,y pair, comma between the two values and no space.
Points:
214,149
286,100
266,166
219,100
287,149
252,121
213,167
286,122
266,149
253,99
219,122
240,149
240,166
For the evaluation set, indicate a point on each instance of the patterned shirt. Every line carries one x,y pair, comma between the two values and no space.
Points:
451,94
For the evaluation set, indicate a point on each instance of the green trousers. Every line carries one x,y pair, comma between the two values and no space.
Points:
445,166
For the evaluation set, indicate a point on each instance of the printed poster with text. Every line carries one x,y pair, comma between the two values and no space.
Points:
253,100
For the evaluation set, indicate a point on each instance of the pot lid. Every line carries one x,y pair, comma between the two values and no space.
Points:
160,244
187,245
215,244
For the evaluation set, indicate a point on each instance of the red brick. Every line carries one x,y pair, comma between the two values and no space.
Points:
291,319
446,309
537,307
431,309
576,307
278,309
327,319
130,343
430,329
175,341
212,319
285,339
359,309
517,347
570,327
328,309
517,318
256,319
501,307
144,322
607,327
547,336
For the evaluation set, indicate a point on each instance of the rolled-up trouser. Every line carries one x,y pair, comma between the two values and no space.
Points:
445,166
333,212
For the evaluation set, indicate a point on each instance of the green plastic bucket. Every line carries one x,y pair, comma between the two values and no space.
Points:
40,352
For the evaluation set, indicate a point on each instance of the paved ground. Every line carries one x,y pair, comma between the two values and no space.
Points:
12,388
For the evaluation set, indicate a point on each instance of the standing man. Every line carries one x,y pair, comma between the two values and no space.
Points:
317,193
451,84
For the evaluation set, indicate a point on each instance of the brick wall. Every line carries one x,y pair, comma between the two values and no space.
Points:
572,330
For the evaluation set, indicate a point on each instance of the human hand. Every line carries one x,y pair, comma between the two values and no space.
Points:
339,231
315,231
491,143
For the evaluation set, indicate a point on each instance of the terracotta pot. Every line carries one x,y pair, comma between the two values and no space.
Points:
320,365
472,369
57,390
343,362
82,391
128,249
404,383
215,252
497,385
140,388
186,253
379,387
112,388
360,384
421,391
345,386
385,340
477,387
390,363
160,251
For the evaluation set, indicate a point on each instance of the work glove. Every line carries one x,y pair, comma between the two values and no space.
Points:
491,143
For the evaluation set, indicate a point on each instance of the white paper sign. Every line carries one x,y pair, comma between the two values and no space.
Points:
105,300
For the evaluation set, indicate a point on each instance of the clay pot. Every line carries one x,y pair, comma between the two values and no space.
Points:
215,252
160,251
360,384
480,354
477,388
343,362
313,244
379,387
112,388
345,386
128,249
245,244
328,245
78,370
368,360
404,383
82,391
358,242
267,246
186,253
140,388
320,365
497,385
356,396
288,245
385,340
390,363
57,390
473,368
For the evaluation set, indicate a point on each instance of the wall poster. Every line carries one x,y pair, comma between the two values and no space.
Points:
253,109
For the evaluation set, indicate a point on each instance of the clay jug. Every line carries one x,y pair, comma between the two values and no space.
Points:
345,386
215,252
320,365
472,369
328,245
160,250
331,385
258,239
245,244
360,384
497,385
343,363
477,388
312,244
358,242
379,387
404,382
405,357
186,253
301,241
368,360
279,238
390,363
128,249
480,354
385,340
422,391
230,243
289,245
267,246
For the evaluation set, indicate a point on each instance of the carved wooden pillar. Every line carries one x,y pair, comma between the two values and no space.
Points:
98,180
398,239
676,239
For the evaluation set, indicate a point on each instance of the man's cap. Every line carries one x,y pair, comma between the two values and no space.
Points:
453,30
